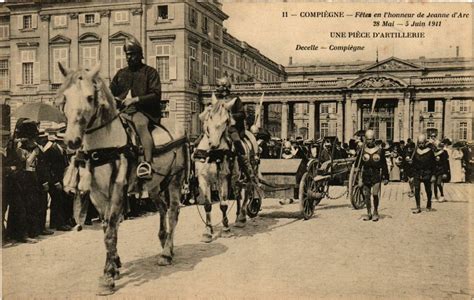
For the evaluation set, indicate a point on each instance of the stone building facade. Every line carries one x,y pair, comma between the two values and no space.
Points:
185,40
412,96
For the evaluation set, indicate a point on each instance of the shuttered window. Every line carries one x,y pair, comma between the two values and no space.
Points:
59,55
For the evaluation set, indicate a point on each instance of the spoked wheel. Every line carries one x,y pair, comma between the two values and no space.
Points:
357,198
254,204
307,202
355,192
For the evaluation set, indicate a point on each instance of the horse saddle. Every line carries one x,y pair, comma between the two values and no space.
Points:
162,137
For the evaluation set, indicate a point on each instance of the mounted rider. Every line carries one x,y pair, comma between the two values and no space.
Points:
137,87
236,131
374,170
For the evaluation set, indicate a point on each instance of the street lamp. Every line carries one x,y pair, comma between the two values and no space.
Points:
430,118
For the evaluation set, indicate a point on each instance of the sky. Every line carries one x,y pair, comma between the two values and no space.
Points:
261,25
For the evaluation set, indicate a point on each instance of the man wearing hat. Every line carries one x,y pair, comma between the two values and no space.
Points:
441,171
56,163
423,163
374,170
137,87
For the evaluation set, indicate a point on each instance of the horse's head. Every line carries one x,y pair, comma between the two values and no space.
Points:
216,119
79,96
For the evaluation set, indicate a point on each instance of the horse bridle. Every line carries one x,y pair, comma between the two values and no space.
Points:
95,115
228,122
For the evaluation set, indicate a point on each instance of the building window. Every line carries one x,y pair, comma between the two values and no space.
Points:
4,31
324,129
205,64
27,73
463,130
4,75
217,69
119,59
90,19
90,56
192,63
28,58
225,58
217,31
430,125
165,109
60,21
121,16
232,60
324,108
193,17
464,105
162,12
431,106
205,24
163,66
59,55
27,22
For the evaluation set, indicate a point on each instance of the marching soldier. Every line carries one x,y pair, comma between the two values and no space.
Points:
236,131
138,88
423,163
441,171
373,171
408,170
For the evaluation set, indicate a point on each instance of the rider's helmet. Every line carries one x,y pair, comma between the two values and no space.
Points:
370,137
223,86
132,45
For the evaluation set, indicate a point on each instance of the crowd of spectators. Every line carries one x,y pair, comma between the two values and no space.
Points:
34,203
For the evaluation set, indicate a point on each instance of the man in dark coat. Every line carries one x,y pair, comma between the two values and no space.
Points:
374,170
138,88
408,170
442,172
423,168
56,162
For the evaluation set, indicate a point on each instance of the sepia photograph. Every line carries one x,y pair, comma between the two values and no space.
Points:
237,149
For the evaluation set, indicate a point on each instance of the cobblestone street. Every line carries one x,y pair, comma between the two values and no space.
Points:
277,255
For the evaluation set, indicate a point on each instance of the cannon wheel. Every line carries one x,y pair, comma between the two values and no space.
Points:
307,203
355,192
254,204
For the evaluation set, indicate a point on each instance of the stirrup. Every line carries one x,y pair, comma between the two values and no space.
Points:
144,170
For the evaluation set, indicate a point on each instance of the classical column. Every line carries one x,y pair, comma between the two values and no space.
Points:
406,117
396,121
291,119
447,126
416,118
358,113
284,120
311,119
340,117
349,128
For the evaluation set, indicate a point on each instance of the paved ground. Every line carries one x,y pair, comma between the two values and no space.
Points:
278,255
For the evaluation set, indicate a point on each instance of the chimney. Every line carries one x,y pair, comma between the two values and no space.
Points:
291,61
457,51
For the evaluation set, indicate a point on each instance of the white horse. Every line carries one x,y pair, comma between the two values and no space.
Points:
94,127
216,166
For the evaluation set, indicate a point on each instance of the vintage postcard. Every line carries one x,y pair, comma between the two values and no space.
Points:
183,149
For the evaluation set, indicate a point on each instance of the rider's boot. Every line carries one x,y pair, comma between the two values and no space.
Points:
244,163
